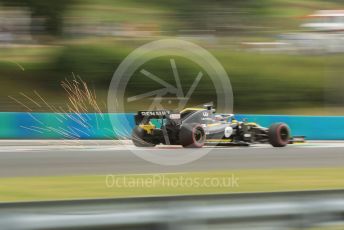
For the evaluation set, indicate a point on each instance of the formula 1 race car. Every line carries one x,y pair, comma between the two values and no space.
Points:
196,127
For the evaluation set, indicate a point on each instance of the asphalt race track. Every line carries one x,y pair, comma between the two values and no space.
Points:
52,158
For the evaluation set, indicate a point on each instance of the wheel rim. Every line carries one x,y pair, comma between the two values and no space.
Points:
198,135
284,133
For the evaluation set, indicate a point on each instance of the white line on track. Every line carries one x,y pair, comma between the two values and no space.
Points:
120,147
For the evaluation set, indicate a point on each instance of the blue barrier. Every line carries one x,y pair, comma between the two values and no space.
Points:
63,126
115,126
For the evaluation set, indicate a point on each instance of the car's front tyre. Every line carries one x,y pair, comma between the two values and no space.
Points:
279,135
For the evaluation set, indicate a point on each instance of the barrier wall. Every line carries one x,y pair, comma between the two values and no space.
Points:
63,126
99,126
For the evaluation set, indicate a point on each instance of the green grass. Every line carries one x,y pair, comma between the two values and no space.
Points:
334,226
95,186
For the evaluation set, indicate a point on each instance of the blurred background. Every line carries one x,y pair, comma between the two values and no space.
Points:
282,56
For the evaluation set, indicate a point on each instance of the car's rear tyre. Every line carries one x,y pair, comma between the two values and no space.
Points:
192,136
138,138
279,135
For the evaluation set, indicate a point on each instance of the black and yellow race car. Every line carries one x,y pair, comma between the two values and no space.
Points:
196,127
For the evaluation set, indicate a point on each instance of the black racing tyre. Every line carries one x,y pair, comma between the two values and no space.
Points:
138,138
192,136
279,135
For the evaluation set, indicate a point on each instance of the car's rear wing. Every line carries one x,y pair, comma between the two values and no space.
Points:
143,117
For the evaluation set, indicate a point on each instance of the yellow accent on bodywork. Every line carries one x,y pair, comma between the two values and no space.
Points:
252,124
214,124
219,140
148,128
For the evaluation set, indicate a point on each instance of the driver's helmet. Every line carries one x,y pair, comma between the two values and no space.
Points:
219,118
